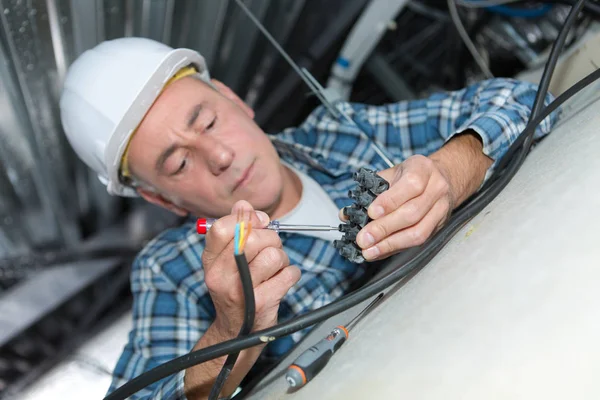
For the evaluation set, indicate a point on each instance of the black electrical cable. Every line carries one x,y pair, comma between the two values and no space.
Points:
553,58
429,250
249,314
538,104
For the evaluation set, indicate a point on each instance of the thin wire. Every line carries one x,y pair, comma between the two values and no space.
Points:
285,55
242,235
315,86
236,239
248,230
467,40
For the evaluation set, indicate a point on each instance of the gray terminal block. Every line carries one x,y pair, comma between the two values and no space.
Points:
349,250
369,180
363,197
350,232
356,215
370,185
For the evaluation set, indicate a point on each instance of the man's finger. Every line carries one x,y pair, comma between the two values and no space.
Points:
223,230
409,237
276,287
410,184
259,240
267,263
408,214
341,215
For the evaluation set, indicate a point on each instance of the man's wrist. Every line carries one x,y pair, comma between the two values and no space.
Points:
199,379
462,161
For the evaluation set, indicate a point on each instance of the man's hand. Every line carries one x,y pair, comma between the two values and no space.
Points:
272,277
423,192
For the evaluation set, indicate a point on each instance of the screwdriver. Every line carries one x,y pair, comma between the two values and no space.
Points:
312,361
204,224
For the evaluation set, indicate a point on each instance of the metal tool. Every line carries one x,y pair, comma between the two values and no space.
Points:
312,361
204,224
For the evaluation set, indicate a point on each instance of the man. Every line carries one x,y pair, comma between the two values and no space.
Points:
150,121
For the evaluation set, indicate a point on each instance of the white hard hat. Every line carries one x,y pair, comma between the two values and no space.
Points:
107,92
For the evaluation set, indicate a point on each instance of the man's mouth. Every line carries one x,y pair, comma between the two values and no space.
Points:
244,178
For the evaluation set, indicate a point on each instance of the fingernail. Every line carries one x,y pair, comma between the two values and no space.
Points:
376,212
365,240
263,217
371,253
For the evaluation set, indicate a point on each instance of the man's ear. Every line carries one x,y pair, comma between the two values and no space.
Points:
230,94
159,200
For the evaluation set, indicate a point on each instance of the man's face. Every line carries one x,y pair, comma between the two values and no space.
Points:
202,151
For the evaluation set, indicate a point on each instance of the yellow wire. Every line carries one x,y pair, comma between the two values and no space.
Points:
242,236
246,234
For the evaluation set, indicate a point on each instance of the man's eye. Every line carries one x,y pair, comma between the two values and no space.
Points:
181,166
211,125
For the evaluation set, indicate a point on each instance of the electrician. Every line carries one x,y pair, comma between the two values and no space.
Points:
150,121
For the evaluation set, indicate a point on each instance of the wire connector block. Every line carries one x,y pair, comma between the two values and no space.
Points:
370,185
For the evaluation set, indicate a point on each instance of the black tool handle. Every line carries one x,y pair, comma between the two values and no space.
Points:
309,363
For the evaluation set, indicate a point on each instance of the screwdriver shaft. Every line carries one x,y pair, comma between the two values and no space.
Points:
204,224
293,227
361,314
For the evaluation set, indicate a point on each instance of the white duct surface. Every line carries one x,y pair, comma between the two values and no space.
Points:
508,310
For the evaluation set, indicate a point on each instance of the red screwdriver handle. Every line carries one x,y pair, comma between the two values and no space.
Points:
203,225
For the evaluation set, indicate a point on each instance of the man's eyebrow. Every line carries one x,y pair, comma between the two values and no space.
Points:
164,156
193,115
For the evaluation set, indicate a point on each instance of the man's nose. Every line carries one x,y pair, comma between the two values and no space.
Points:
218,155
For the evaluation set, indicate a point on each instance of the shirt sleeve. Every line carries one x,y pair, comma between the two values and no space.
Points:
497,110
166,322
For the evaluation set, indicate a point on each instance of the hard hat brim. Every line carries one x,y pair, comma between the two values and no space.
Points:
119,139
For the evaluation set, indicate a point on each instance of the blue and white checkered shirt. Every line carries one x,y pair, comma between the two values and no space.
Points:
171,304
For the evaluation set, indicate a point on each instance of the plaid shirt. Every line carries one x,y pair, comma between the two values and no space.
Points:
171,304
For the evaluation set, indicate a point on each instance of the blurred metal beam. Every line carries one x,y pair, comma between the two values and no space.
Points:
88,24
24,304
168,21
129,17
21,25
145,18
155,19
19,196
13,237
208,35
58,44
15,150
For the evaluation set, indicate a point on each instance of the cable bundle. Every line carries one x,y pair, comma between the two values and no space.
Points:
242,231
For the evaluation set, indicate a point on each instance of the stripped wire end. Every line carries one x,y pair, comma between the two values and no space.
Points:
242,231
245,229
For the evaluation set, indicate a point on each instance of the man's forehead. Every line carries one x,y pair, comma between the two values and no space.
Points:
179,103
